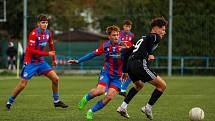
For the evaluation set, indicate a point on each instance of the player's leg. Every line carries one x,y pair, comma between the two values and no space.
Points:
132,92
101,104
55,80
26,74
19,87
92,94
160,85
101,88
9,62
14,63
124,86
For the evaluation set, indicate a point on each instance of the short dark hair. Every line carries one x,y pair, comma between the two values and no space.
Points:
127,22
42,17
159,21
109,29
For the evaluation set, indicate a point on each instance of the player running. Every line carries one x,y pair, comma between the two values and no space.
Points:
126,36
34,61
110,74
139,70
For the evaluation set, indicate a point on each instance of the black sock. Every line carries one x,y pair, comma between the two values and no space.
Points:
132,92
154,97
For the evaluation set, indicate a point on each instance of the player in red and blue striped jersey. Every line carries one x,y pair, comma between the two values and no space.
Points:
34,61
126,36
111,72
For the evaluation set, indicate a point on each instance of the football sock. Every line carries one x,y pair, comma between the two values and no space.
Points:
11,100
56,97
154,97
89,96
124,105
99,105
132,92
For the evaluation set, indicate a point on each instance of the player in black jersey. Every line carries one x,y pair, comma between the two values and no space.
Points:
140,72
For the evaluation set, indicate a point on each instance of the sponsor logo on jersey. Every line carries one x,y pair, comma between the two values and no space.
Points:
43,44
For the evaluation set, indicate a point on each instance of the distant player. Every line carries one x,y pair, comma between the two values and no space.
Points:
34,61
139,70
110,74
127,36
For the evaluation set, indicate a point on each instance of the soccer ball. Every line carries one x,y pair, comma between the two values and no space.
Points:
196,114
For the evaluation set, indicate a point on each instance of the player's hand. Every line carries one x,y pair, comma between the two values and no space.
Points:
124,77
72,61
123,45
151,57
51,53
54,63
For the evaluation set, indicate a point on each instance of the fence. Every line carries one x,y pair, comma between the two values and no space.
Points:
181,65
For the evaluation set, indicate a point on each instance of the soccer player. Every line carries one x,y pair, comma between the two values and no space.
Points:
34,61
127,36
139,70
110,74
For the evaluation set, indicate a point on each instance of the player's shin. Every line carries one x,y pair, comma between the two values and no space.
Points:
132,92
154,97
98,106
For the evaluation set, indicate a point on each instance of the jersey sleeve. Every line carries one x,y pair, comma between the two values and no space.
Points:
51,46
32,43
91,55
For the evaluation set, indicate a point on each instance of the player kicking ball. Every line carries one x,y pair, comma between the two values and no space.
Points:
34,61
139,70
111,72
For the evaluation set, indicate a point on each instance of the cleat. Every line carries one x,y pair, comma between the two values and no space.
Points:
8,106
147,112
123,112
60,104
83,103
124,94
89,115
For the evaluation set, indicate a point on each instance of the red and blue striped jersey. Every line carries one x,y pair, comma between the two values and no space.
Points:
113,57
126,37
36,46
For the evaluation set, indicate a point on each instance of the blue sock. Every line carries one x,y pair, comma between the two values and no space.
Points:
89,96
56,97
11,100
99,105
125,84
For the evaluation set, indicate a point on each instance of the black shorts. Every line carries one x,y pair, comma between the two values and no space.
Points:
139,70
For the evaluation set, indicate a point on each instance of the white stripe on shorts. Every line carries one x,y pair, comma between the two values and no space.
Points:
152,75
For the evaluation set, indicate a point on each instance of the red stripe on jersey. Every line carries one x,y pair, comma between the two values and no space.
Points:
111,61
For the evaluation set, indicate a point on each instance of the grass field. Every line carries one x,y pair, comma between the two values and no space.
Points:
35,102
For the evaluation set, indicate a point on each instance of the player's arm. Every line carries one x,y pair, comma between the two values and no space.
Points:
32,43
89,56
51,48
128,52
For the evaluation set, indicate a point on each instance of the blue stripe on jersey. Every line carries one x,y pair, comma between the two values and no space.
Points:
107,56
115,65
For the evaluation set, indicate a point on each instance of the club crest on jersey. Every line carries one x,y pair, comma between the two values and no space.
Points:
47,36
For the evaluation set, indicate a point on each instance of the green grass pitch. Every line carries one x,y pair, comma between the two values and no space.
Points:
35,103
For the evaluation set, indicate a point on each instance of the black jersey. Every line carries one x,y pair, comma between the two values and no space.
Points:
145,46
